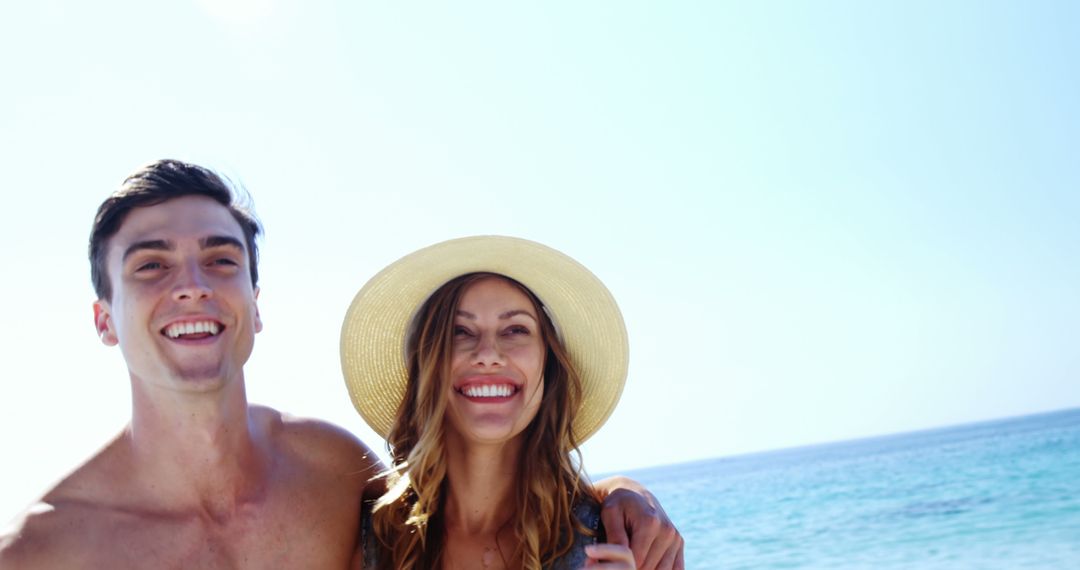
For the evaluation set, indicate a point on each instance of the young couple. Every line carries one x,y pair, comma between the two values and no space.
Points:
484,361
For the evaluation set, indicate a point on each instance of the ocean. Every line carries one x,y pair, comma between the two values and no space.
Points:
1000,494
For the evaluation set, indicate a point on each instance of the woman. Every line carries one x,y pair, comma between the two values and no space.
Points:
518,356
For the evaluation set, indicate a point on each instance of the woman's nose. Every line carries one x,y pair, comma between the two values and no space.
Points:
487,351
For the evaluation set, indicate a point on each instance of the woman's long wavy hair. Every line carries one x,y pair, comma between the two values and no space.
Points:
408,519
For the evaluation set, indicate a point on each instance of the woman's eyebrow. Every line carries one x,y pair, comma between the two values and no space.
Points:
515,312
502,316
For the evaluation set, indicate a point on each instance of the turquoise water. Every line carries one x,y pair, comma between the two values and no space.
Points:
1002,494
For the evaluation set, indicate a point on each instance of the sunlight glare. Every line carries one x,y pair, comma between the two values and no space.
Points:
238,11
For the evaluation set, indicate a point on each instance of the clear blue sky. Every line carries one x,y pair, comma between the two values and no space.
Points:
822,220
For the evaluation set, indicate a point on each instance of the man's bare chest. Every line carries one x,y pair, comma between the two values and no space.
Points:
254,538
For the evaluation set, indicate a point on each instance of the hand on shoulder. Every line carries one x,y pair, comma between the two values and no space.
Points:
634,518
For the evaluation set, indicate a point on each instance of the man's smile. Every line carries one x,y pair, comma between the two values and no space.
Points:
193,329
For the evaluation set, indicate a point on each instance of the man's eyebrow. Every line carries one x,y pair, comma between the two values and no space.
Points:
165,245
218,241
154,244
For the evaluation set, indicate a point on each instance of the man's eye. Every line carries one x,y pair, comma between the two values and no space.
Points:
225,261
149,266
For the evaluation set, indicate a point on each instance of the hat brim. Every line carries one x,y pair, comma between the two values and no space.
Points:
583,310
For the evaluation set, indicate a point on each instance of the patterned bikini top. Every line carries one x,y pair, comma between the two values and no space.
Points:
587,511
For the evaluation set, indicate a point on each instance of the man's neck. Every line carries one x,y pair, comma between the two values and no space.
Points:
203,451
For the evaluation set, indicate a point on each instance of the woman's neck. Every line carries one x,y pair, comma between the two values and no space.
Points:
482,480
480,507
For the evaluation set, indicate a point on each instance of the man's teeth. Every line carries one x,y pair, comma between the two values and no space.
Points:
488,391
198,327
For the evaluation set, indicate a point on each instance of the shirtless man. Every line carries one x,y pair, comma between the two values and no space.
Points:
199,478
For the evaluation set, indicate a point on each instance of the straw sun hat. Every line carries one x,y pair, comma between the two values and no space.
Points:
583,310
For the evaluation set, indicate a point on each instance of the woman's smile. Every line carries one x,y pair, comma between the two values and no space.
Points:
487,389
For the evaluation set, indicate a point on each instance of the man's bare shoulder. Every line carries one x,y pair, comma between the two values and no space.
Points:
48,532
319,442
43,536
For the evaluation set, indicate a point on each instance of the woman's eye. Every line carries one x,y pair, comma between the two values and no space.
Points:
517,330
461,331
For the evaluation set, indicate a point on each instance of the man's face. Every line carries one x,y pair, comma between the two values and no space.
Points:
183,308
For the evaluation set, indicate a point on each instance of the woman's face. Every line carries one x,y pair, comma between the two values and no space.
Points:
496,381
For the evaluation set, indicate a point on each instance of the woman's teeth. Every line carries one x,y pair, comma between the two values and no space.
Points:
488,391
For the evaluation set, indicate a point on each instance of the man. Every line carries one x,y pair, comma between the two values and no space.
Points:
199,478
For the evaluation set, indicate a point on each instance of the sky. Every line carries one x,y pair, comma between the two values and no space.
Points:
822,221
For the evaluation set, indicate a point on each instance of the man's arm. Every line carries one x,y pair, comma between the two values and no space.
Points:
633,517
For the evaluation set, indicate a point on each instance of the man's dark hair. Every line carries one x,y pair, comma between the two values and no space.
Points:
159,182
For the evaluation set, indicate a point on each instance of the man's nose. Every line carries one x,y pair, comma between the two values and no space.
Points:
191,284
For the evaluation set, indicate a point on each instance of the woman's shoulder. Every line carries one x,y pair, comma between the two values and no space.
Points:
587,511
368,544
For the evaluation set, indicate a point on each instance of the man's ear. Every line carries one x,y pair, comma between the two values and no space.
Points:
258,319
103,323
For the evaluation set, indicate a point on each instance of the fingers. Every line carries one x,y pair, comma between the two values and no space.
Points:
672,559
643,543
611,556
631,520
663,550
614,523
